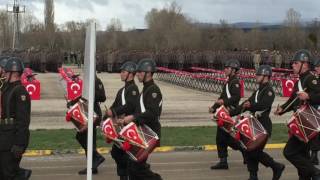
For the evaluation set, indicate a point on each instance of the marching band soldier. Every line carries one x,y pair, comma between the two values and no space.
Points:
306,90
14,122
230,97
81,137
260,103
148,111
315,143
124,104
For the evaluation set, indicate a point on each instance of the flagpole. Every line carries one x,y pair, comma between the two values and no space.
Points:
89,87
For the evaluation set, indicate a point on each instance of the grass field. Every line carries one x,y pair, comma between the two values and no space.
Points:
171,136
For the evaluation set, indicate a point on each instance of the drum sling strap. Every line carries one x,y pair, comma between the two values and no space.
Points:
257,97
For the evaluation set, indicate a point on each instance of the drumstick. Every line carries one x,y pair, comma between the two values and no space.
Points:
292,102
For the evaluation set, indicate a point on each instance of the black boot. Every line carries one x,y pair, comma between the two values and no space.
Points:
223,164
84,171
244,157
97,160
25,173
253,176
124,178
314,157
277,169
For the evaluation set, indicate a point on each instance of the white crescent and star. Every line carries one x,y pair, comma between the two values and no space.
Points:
129,134
75,87
31,88
291,84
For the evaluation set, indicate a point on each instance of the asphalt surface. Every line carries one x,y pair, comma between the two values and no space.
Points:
171,166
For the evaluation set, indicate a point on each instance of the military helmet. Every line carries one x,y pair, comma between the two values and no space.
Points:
302,55
3,61
14,64
316,62
147,65
264,70
233,63
129,66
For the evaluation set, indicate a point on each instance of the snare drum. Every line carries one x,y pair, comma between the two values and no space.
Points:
224,120
78,115
305,123
252,133
110,130
143,141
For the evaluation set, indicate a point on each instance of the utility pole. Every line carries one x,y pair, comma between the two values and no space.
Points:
16,9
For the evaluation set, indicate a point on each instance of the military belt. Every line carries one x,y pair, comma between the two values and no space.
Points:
7,121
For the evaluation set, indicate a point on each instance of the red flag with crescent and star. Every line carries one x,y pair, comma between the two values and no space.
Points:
245,128
130,133
109,130
287,86
75,113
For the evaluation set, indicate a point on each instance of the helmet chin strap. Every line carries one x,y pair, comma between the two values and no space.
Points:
300,69
144,77
125,80
9,79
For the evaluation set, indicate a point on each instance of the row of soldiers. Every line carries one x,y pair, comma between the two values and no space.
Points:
111,61
38,59
306,91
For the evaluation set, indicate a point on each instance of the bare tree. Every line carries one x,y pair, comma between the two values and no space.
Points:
49,22
5,30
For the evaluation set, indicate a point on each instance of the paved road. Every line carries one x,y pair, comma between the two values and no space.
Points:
172,166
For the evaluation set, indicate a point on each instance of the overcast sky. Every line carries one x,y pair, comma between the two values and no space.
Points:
132,12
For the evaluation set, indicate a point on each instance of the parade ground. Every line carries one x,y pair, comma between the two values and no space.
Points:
189,165
181,107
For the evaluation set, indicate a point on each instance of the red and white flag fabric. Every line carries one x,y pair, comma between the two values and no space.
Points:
109,130
287,86
132,134
245,127
222,114
75,113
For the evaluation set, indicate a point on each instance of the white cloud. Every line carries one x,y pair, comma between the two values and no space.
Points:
132,12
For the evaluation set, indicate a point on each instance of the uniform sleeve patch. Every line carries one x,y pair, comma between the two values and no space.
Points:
100,86
23,97
134,93
270,93
154,95
237,85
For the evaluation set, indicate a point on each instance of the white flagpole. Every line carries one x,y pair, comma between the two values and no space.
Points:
89,87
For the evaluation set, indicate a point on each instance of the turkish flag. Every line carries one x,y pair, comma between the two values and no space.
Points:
130,133
109,130
287,86
296,130
223,114
75,113
33,88
245,128
74,89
